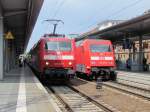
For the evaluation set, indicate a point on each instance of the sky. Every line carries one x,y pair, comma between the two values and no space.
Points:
79,16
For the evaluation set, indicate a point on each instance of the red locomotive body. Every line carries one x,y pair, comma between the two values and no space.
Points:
53,57
95,58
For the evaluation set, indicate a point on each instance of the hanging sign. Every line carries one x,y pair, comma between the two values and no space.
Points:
9,35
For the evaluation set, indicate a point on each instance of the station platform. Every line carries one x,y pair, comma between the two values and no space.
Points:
21,91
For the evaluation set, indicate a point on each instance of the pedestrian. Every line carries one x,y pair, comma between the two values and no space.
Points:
128,64
145,64
20,61
24,61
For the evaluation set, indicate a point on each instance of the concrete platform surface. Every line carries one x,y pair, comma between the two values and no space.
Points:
21,91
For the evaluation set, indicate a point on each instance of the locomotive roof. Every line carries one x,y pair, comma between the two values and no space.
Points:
78,43
55,38
95,40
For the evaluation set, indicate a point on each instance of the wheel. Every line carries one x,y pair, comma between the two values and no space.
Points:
95,76
78,74
67,79
42,78
72,76
107,77
113,76
90,77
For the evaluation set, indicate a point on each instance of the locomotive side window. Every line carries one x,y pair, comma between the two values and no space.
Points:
58,46
46,47
100,48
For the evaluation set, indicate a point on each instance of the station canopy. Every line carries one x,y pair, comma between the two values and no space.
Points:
130,28
19,19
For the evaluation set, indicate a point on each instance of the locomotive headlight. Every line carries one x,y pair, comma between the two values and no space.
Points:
47,63
88,67
70,63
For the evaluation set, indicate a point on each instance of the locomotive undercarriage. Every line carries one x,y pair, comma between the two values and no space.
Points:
59,73
104,73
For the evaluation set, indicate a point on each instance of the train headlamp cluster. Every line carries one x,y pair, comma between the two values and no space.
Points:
70,63
88,67
47,63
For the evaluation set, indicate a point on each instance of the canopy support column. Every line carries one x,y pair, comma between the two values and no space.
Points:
140,53
1,46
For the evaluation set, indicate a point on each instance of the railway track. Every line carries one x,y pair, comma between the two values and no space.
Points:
135,77
145,76
139,92
126,88
136,80
59,103
134,83
74,101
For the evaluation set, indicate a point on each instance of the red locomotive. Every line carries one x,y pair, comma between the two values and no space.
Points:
95,58
53,57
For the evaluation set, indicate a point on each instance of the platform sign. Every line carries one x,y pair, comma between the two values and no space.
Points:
9,35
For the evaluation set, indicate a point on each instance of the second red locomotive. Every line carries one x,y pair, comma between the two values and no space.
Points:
53,57
95,58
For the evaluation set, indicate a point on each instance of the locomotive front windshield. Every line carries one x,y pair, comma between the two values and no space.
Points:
58,46
100,48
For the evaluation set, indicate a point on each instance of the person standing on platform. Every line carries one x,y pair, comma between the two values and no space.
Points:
144,64
24,61
20,61
128,63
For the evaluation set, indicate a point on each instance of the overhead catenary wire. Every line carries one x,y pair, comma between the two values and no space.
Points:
58,9
49,15
93,16
59,6
101,9
117,12
55,6
124,8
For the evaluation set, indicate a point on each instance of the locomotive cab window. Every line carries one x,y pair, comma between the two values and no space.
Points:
65,46
58,46
100,48
51,46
